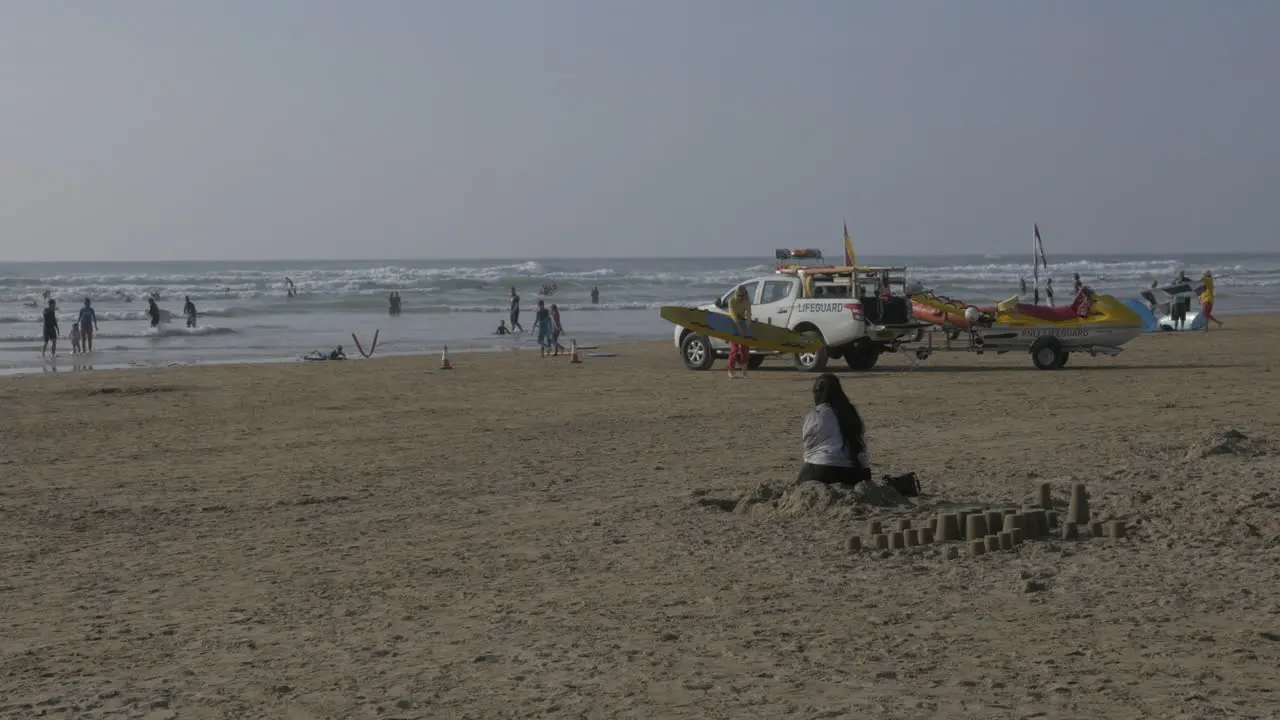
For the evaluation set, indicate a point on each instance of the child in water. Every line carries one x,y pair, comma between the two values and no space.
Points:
502,328
75,338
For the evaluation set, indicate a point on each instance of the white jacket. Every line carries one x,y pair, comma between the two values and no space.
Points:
823,443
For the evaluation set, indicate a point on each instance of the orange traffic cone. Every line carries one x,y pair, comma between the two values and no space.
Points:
444,359
573,352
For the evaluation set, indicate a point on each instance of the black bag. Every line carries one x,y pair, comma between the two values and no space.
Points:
907,485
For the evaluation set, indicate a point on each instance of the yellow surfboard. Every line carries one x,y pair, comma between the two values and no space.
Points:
718,325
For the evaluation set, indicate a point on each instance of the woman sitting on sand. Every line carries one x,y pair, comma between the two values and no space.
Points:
835,448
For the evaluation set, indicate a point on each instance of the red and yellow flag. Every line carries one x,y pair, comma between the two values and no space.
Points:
848,246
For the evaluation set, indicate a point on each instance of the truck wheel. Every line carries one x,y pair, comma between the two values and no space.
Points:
1047,354
696,351
862,357
815,361
755,361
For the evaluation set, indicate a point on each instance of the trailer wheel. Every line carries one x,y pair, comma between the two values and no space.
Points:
1047,354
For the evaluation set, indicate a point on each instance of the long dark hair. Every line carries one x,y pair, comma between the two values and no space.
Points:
826,389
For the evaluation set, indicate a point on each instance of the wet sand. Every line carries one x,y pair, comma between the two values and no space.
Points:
523,537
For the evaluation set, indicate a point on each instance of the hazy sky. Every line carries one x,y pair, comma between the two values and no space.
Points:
173,129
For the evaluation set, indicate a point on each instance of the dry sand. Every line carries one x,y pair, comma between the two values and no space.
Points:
529,538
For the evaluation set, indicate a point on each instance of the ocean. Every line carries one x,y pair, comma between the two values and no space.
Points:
246,314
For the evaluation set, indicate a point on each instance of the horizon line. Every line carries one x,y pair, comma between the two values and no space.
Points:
1232,253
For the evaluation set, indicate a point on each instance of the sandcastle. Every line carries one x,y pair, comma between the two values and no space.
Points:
985,530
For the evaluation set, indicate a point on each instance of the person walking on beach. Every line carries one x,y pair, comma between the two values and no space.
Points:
515,312
542,325
88,322
153,310
50,320
556,329
834,438
189,309
740,311
1206,300
595,295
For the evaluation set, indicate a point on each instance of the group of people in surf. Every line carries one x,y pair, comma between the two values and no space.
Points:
1183,291
394,300
85,325
546,323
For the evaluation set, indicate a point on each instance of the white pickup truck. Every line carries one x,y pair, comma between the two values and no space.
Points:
855,312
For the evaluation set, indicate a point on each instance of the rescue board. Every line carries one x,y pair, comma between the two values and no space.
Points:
718,325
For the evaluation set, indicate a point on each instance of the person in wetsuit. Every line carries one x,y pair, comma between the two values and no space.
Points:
189,310
50,320
153,310
515,312
502,328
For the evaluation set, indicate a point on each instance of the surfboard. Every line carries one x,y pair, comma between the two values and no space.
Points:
718,325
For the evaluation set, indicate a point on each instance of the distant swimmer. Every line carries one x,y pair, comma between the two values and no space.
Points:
153,310
502,328
291,290
595,295
1022,286
337,354
394,303
50,320
88,322
189,309
515,312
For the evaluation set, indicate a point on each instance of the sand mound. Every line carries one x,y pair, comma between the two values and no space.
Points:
1227,442
815,498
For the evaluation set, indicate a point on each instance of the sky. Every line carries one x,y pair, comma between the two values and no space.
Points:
247,129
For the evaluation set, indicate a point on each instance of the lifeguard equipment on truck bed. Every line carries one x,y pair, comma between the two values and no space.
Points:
797,254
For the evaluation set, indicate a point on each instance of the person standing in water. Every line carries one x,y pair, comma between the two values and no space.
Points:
1048,291
542,325
556,329
515,311
50,320
88,321
153,310
1206,300
595,295
189,309
1022,286
740,311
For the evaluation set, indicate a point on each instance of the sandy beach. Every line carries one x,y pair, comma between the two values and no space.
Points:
523,537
